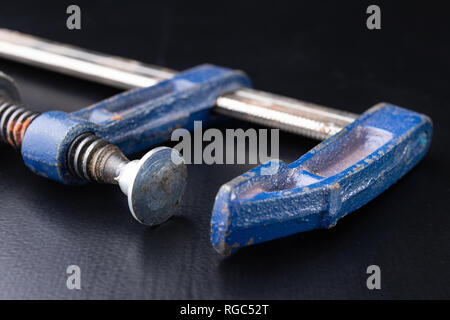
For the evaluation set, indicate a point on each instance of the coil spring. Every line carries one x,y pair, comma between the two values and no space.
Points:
87,156
14,121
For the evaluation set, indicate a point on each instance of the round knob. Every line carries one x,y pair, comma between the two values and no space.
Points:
154,185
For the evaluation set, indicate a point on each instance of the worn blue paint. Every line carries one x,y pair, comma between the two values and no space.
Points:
133,120
335,178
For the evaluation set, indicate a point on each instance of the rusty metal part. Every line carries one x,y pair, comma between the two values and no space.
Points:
254,106
8,88
14,121
284,113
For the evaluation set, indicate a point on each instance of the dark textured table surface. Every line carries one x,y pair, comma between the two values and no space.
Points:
321,53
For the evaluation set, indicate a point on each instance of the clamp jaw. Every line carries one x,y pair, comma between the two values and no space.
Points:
335,178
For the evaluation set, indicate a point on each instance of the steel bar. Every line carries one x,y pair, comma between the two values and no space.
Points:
267,109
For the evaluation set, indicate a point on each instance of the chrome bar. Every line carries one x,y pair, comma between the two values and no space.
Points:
266,109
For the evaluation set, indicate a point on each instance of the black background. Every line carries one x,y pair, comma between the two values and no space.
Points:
318,51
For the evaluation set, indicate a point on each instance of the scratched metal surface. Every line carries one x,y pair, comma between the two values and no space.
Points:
316,52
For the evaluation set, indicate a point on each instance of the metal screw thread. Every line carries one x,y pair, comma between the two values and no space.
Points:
93,159
14,121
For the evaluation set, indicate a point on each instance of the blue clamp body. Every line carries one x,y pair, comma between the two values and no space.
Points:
335,178
133,120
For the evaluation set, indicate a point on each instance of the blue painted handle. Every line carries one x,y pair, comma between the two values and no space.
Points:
133,120
336,177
